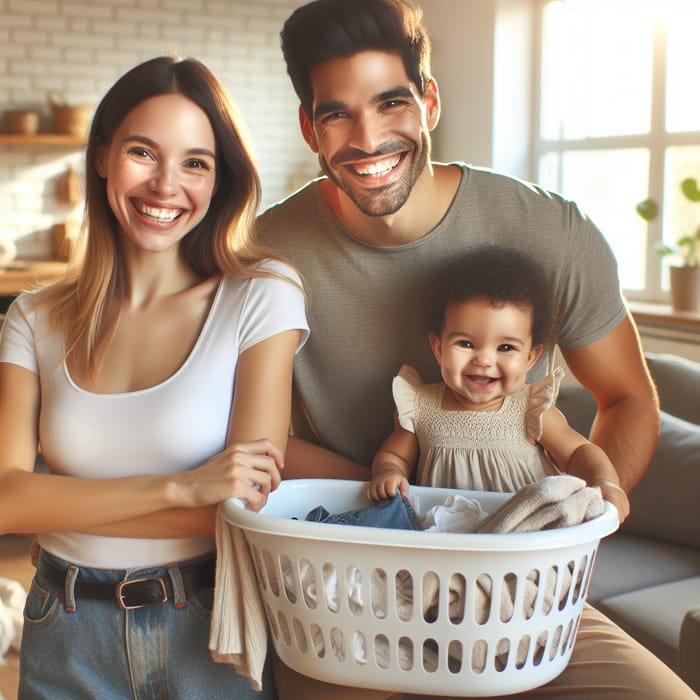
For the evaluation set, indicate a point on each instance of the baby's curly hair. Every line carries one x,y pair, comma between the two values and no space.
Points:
500,275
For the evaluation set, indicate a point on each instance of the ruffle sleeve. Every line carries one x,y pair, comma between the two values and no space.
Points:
543,395
405,389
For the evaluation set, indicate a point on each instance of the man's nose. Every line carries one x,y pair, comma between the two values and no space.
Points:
366,133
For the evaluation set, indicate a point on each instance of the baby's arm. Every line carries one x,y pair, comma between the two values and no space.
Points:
576,455
393,465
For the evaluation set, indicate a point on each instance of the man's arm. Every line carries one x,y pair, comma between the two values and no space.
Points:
305,460
626,426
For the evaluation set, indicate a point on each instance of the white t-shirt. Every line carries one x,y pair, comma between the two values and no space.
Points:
173,426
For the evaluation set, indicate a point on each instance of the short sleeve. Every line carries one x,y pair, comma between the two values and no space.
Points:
273,305
543,395
405,389
17,335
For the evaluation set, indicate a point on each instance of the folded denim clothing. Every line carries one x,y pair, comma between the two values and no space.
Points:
392,513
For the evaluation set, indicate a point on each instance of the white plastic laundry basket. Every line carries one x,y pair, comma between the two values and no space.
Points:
422,612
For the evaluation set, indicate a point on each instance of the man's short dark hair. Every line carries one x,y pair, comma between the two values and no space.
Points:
501,275
326,29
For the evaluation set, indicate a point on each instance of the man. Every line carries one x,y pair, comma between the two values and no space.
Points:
371,236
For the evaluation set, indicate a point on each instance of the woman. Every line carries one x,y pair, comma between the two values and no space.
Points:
156,377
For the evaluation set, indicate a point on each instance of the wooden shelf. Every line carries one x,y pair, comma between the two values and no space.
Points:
41,139
663,316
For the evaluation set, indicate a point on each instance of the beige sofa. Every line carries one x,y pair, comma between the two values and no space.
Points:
647,575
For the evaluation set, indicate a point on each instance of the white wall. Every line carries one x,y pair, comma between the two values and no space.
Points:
482,60
79,47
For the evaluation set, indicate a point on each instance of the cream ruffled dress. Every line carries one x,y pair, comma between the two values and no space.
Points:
480,450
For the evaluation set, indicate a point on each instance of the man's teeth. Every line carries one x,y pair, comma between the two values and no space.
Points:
160,214
380,168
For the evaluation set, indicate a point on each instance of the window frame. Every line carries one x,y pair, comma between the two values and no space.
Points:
656,141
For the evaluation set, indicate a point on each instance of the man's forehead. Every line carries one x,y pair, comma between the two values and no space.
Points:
365,74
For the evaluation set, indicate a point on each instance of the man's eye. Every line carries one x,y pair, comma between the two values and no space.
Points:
333,116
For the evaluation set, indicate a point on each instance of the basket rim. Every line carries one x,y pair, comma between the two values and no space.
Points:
235,513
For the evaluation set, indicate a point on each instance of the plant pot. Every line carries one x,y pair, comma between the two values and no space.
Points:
685,288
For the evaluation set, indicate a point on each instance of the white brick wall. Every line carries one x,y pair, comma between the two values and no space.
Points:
78,48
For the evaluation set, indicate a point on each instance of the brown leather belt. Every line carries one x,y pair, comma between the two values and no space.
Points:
135,593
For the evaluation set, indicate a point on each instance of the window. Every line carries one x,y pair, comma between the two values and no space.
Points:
619,122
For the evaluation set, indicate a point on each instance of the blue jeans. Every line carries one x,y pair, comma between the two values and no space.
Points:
100,651
393,513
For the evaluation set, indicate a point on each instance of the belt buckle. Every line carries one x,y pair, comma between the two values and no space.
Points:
125,584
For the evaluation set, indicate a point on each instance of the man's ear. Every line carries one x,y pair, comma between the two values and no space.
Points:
534,355
307,130
436,347
431,98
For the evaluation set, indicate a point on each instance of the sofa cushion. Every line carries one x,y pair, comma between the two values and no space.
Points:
654,615
625,563
678,382
664,505
688,645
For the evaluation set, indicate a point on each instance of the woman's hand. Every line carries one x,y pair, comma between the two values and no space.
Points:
245,470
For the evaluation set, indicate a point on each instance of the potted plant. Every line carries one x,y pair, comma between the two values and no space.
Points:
685,275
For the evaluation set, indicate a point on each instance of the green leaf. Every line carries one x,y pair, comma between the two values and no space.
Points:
648,209
689,186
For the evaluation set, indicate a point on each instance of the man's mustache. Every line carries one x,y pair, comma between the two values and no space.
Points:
388,148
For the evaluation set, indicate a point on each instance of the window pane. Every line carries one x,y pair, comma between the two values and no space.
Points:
607,185
596,69
683,103
681,217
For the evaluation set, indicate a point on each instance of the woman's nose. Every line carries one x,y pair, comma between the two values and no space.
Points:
164,181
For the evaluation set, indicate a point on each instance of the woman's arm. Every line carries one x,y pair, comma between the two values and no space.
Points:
139,505
575,455
259,418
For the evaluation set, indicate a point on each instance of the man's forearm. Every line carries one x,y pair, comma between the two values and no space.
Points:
628,431
304,460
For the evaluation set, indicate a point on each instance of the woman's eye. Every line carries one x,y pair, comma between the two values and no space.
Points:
139,151
198,165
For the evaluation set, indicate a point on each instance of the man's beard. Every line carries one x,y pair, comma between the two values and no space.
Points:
388,199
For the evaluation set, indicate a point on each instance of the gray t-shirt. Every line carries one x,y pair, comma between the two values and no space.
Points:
370,305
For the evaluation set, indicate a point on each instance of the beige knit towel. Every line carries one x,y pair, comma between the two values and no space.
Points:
554,501
238,633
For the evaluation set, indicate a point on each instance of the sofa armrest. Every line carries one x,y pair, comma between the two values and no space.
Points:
689,649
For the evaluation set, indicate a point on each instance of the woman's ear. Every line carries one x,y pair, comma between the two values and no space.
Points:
535,354
101,161
436,346
307,130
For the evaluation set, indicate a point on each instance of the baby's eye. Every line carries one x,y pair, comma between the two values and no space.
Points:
464,344
507,347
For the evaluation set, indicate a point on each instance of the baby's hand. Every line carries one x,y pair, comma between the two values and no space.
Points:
385,485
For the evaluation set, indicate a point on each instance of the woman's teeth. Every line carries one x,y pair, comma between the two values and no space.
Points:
162,215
